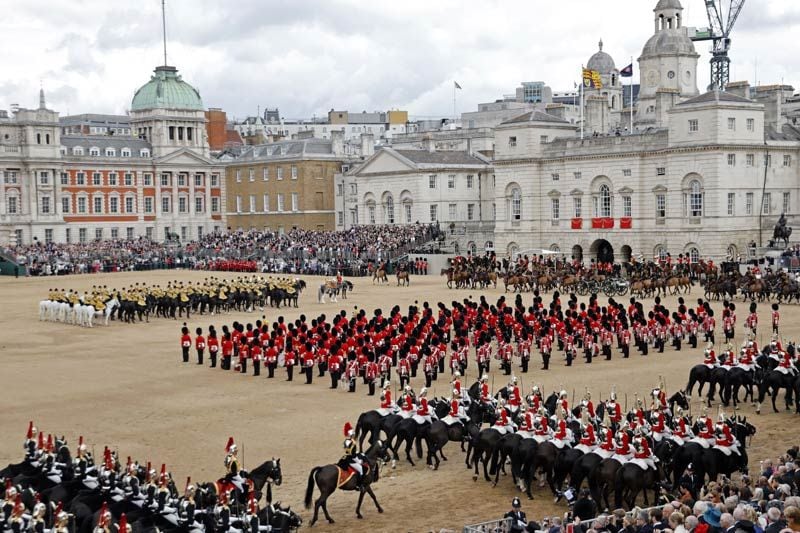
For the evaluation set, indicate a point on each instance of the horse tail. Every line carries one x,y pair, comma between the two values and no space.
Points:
358,425
310,487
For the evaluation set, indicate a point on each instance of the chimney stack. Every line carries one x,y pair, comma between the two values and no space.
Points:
428,143
367,145
337,142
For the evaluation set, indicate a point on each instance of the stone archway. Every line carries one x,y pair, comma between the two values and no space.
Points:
602,251
626,253
577,252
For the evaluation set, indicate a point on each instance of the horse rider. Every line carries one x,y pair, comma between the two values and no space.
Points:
232,474
526,425
643,457
710,360
352,458
725,441
486,395
423,414
561,437
407,402
541,428
658,425
613,409
514,395
586,404
588,440
30,445
681,432
388,407
503,425
746,360
705,435
535,400
563,403
622,449
786,365
455,414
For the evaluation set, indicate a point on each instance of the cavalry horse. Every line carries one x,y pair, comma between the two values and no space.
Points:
332,289
380,275
403,278
331,477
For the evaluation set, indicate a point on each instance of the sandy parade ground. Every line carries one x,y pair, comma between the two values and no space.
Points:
124,386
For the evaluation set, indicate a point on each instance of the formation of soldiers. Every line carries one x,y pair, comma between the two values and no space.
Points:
212,294
98,493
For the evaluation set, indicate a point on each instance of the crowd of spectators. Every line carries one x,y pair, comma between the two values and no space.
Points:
766,503
296,252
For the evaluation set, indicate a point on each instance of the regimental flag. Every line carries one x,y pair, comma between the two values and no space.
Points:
592,79
456,85
627,72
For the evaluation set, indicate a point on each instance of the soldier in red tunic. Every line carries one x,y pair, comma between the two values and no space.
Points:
213,346
186,343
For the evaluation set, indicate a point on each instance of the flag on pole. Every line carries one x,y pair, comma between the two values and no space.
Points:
456,85
592,79
627,72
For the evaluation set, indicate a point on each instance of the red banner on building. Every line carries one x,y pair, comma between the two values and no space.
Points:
603,223
625,223
577,223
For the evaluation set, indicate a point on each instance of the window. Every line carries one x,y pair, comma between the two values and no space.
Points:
148,232
12,205
751,160
68,235
695,205
266,203
96,179
627,206
294,172
766,205
787,203
252,203
125,152
98,204
78,150
129,233
45,205
340,217
48,235
128,179
279,173
577,175
577,206
82,204
265,174
115,233
748,203
627,172
183,204
340,189
65,205
555,176
198,180
296,202
407,207
694,255
198,204
44,178
661,205
65,178
767,160
451,211
470,211
129,204
181,180
661,171
215,204
80,178
432,181
731,203
238,176
516,204
751,124
94,152
144,152
148,180
112,179
110,152
280,203
215,180
199,228
165,204
10,176
602,202
470,180
732,124
251,174
113,205
542,139
389,210
693,125
512,142
98,234
82,234
371,214
238,204
434,213
184,233
555,205
731,160
451,181
353,188
165,180
787,160
148,204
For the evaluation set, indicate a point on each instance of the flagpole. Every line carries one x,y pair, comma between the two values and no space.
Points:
631,95
454,103
582,84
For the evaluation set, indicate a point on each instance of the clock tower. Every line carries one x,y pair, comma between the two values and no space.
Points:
667,66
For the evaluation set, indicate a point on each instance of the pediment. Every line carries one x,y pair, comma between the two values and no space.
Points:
385,161
184,156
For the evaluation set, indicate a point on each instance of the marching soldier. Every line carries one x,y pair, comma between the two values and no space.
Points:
186,343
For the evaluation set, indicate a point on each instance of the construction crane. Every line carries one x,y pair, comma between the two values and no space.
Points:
722,15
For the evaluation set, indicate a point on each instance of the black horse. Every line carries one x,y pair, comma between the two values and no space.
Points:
716,462
327,478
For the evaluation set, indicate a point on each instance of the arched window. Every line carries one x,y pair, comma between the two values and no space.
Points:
695,199
602,202
389,209
733,253
660,253
513,249
407,210
472,248
694,255
515,204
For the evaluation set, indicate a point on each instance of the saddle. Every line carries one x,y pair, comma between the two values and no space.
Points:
347,473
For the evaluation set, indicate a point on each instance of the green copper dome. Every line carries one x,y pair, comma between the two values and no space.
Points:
166,90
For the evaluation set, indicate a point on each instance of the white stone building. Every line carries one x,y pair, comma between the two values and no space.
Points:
703,174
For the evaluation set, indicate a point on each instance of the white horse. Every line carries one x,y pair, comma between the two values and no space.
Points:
106,313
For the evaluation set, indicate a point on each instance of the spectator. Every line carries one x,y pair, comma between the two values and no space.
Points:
775,522
676,523
792,515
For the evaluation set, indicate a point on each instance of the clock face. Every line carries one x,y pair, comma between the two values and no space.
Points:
671,74
652,77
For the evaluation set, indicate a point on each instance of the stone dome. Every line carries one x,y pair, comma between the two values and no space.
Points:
601,62
666,42
668,4
166,90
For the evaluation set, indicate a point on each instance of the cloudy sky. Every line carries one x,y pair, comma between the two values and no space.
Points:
307,56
